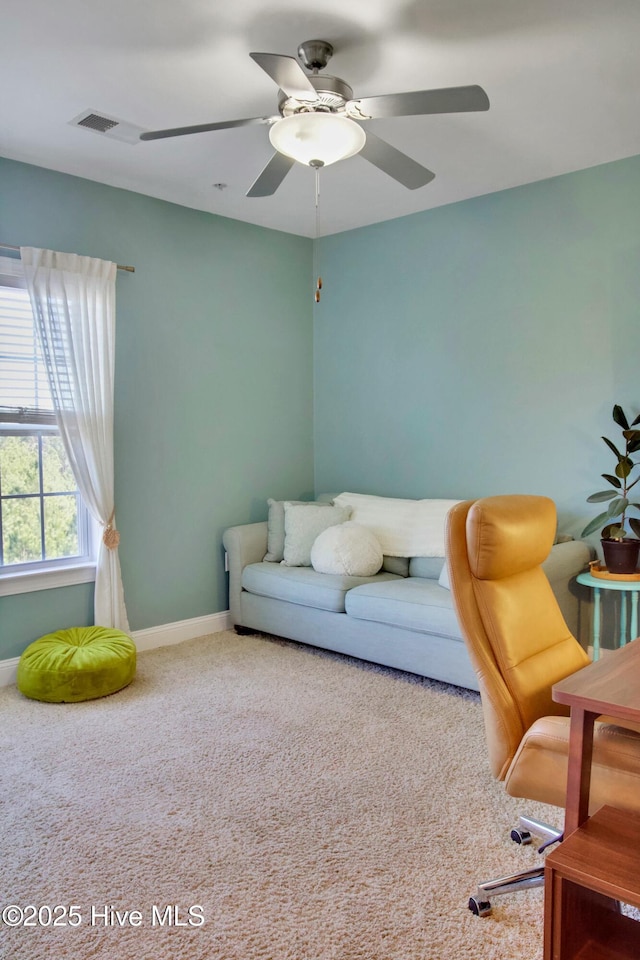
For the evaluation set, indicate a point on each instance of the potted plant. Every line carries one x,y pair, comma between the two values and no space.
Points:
620,551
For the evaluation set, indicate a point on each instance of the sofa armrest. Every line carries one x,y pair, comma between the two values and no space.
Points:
567,560
562,566
244,544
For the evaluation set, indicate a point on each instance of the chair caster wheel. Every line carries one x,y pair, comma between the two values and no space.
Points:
479,908
521,836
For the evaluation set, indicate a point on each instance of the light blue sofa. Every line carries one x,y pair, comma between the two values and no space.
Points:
403,621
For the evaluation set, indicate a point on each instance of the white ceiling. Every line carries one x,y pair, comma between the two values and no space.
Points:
563,78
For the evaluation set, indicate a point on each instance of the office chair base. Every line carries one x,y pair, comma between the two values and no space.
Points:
479,908
480,904
537,828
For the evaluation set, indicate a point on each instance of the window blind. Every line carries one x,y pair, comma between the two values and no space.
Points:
25,397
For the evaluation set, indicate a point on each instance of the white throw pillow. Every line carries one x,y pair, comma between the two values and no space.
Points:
302,524
275,528
348,549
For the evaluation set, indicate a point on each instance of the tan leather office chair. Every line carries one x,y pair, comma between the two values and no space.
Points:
520,646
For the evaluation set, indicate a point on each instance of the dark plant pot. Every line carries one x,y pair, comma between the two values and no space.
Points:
620,556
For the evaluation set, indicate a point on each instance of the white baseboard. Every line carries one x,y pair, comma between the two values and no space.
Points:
169,633
161,636
8,669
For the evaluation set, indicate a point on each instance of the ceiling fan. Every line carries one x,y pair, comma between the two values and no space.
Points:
319,122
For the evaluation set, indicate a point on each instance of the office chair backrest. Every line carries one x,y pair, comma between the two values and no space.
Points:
516,635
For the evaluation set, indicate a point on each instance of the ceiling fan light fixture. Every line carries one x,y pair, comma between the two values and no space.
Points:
317,139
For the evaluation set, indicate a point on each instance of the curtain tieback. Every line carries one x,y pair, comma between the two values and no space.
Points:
110,537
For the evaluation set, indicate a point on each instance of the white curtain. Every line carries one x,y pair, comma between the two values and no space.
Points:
73,301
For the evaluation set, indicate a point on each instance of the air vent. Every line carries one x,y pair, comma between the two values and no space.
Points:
101,123
96,122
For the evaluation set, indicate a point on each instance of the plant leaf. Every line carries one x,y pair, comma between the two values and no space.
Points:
619,417
613,532
613,447
637,420
613,480
595,524
602,495
632,484
635,526
617,507
624,468
634,445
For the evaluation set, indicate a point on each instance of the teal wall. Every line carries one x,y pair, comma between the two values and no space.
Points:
213,409
478,348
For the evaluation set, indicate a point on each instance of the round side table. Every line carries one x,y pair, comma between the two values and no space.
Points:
628,624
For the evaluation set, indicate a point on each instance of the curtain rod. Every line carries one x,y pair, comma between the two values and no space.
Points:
9,246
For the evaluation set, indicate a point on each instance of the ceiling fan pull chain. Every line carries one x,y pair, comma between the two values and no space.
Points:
316,296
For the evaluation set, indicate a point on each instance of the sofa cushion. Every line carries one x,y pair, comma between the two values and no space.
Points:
275,530
303,585
428,567
412,603
399,565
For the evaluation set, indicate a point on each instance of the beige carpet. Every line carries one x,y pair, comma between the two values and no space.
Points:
313,807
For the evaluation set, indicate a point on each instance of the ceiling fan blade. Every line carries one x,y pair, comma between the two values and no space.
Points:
420,102
288,74
397,164
203,128
272,176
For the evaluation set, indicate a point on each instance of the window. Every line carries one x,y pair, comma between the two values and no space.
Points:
46,535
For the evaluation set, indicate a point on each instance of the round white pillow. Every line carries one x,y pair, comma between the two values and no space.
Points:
348,549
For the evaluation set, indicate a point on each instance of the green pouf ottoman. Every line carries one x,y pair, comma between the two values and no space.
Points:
81,663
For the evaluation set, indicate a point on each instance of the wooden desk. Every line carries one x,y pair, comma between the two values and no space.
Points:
585,879
598,862
612,687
